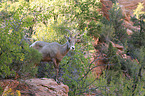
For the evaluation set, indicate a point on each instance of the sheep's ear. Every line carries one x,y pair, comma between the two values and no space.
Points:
78,40
66,37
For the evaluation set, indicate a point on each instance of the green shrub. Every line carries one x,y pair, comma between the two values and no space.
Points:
15,54
116,32
73,70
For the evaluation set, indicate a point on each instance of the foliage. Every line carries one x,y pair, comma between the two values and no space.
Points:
80,15
114,66
137,39
107,33
9,92
138,11
74,69
113,28
112,57
1,90
88,17
138,36
122,87
15,54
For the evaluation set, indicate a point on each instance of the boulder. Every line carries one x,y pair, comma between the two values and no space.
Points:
34,87
47,87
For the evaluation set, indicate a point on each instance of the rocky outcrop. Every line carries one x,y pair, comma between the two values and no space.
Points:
34,87
47,87
128,7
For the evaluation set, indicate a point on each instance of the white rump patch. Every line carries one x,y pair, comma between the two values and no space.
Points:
33,44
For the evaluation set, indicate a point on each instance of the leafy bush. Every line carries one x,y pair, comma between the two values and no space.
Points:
114,29
9,92
123,86
15,54
74,69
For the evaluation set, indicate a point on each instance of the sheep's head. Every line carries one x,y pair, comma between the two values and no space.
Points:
71,40
71,43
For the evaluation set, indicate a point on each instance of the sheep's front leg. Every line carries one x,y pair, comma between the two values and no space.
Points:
56,67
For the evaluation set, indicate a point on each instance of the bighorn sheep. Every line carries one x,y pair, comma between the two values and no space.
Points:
55,51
